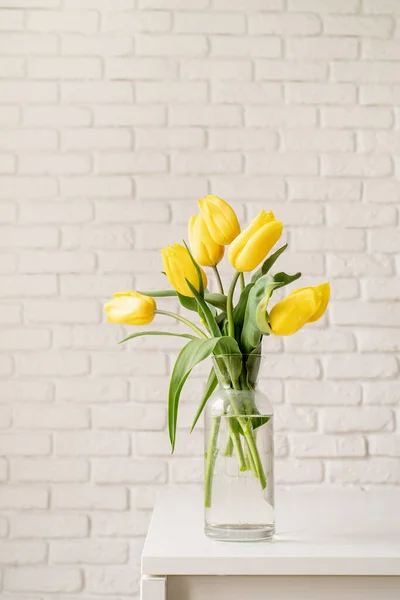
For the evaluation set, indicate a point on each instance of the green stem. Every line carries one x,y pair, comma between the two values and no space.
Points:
237,444
182,320
242,281
229,305
211,456
250,459
218,278
248,433
228,450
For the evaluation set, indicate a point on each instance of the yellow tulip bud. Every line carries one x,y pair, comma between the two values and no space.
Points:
254,243
178,267
220,218
205,251
304,305
130,308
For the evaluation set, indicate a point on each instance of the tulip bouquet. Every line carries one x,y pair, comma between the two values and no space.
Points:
230,330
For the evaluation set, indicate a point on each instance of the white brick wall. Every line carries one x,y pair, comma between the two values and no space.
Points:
116,115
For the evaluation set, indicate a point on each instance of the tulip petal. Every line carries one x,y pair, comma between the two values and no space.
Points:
293,312
324,291
246,255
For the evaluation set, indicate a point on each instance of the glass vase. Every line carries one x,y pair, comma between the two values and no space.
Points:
239,454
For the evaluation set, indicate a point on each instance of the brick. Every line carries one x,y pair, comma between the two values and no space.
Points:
99,92
375,470
328,239
185,471
384,445
204,163
242,139
91,444
52,364
365,72
134,162
363,366
363,26
12,67
385,240
237,70
48,579
322,48
294,419
257,47
26,391
28,187
7,163
284,24
280,116
293,367
358,419
384,6
321,93
31,3
57,164
328,6
14,552
121,363
291,471
130,116
352,215
96,186
382,288
5,417
245,93
282,164
6,365
64,68
28,139
138,22
95,45
382,142
89,498
50,417
381,50
25,237
96,139
382,392
322,393
264,5
48,525
48,470
64,212
10,315
344,265
207,116
3,527
100,4
386,191
8,212
16,497
290,70
171,91
323,446
63,21
184,137
226,23
324,189
186,45
379,340
351,165
157,444
12,19
24,339
142,68
92,390
113,580
359,117
56,262
110,470
28,44
130,524
379,94
90,552
68,116
320,341
130,418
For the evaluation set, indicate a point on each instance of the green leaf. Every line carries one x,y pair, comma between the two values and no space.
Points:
198,271
240,308
217,300
205,312
141,333
253,366
160,293
211,384
256,317
268,263
187,302
192,354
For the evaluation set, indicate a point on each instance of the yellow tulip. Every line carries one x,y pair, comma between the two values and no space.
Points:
304,305
220,218
254,243
178,267
205,251
130,308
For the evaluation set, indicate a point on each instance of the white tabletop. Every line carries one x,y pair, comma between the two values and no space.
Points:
319,532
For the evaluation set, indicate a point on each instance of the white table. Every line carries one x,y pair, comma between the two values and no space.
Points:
330,545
